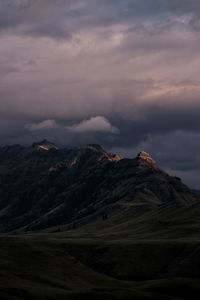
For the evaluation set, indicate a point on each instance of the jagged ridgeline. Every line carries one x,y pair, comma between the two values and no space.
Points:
43,186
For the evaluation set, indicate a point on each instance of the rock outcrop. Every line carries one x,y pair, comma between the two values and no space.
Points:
146,157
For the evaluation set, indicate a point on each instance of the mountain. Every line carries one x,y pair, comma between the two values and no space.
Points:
85,223
45,186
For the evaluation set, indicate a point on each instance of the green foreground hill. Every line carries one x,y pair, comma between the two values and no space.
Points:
117,258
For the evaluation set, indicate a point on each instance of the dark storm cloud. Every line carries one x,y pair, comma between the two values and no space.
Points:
33,17
60,19
156,122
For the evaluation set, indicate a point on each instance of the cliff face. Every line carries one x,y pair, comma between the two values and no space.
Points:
43,186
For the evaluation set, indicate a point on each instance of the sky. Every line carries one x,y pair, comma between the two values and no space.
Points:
122,73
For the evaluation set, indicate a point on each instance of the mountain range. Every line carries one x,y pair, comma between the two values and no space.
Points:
44,186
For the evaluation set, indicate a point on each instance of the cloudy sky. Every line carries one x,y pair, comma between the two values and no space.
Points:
123,73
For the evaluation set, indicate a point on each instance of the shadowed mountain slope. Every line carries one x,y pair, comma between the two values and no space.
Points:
43,186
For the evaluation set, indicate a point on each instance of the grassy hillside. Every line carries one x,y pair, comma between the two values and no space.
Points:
57,267
144,252
127,220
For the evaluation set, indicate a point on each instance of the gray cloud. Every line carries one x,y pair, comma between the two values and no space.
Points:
94,124
44,125
61,19
121,73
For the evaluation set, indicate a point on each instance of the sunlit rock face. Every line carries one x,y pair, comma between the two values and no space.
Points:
146,157
104,154
45,146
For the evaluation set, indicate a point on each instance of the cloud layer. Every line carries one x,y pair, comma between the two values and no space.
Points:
95,124
124,73
92,125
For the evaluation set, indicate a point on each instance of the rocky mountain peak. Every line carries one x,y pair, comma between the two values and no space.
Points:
146,157
95,147
44,146
104,155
